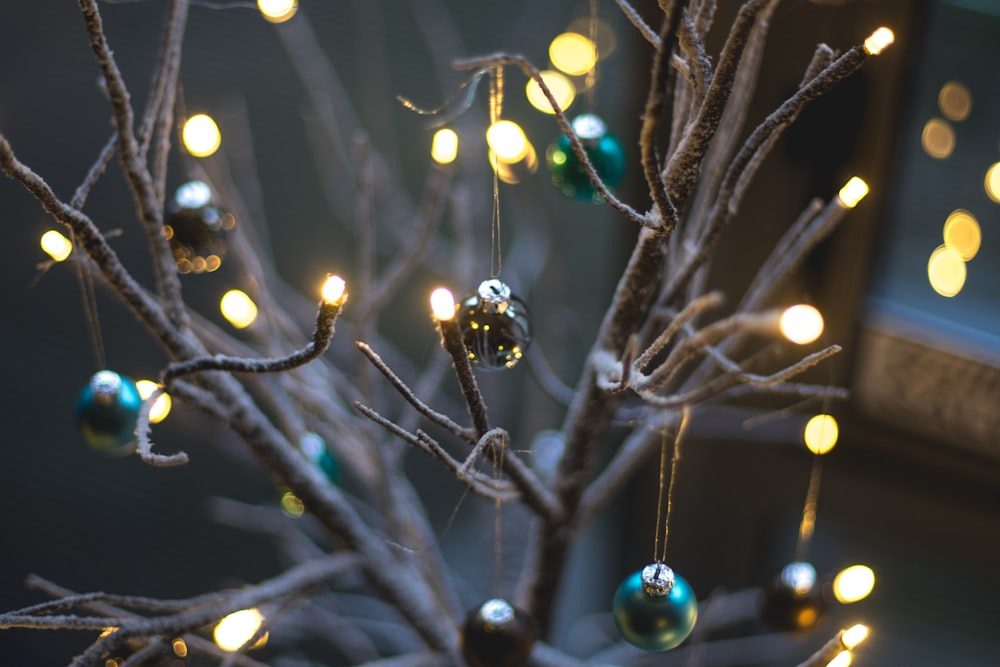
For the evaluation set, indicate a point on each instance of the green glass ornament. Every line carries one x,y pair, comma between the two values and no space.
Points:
793,599
107,410
196,229
496,326
496,634
654,609
605,151
315,449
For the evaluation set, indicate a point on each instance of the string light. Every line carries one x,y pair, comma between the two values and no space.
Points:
879,40
180,648
801,324
333,290
278,11
955,101
820,434
56,246
444,146
559,85
854,635
992,182
201,135
238,308
853,192
507,140
946,271
962,233
443,304
161,406
292,505
573,53
239,627
842,659
853,584
937,138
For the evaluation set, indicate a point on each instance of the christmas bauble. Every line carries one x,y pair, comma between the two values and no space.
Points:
654,608
793,600
496,326
496,634
314,447
107,410
196,229
604,150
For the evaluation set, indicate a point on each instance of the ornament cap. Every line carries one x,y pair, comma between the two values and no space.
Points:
494,295
106,386
799,576
657,580
193,194
496,612
589,127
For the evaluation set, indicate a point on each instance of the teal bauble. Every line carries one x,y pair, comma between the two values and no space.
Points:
315,449
654,609
604,150
107,410
495,325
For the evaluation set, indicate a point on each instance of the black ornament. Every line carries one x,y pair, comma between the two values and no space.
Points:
497,635
196,229
496,326
793,600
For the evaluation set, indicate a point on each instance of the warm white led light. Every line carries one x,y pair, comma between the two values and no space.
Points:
161,406
854,635
236,629
801,324
278,11
853,583
201,135
56,246
444,146
333,290
443,304
238,308
879,40
853,191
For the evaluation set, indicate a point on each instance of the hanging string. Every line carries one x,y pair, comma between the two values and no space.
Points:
666,483
496,111
808,523
591,78
88,296
497,517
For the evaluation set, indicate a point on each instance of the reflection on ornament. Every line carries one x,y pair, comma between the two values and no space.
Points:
196,229
107,410
604,150
793,600
496,634
654,608
496,326
314,447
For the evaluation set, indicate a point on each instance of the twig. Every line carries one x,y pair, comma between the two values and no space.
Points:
96,169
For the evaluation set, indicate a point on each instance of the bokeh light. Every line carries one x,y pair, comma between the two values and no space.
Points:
180,648
992,182
962,233
946,271
573,53
292,505
955,101
201,135
507,141
853,584
56,246
238,308
559,85
278,11
937,138
161,406
801,324
444,146
820,434
236,629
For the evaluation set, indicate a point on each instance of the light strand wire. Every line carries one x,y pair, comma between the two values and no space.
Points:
667,483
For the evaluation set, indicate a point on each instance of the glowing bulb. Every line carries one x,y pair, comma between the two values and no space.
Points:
57,246
507,141
992,182
444,146
801,324
442,304
937,138
180,648
333,290
558,84
854,635
820,434
879,40
853,191
238,308
236,629
842,659
292,505
955,101
573,53
161,406
962,233
946,271
278,11
201,135
853,583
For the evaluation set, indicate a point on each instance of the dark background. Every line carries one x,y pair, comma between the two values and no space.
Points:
922,511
